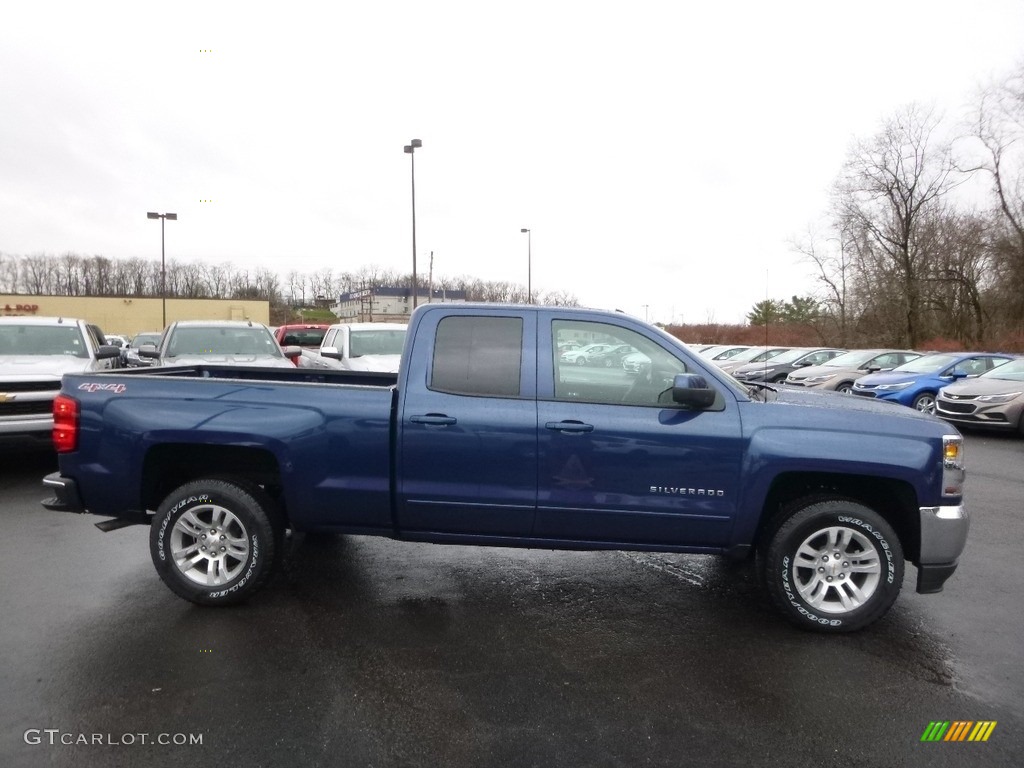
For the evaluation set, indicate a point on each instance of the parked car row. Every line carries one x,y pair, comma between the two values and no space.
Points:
918,382
977,389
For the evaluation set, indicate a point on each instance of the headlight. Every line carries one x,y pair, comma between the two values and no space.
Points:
953,471
893,387
998,398
819,379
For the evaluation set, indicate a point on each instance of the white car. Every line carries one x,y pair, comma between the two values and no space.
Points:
582,356
375,347
35,352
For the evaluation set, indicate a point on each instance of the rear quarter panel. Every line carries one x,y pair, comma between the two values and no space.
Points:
331,442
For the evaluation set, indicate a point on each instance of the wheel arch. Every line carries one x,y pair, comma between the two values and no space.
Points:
895,500
170,465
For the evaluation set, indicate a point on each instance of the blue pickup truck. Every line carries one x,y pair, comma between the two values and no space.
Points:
486,437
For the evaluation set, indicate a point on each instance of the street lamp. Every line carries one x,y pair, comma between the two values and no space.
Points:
529,260
163,259
410,149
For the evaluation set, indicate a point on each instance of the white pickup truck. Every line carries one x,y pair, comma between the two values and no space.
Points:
375,347
35,352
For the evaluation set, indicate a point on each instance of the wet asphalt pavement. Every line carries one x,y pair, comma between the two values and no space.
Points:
370,652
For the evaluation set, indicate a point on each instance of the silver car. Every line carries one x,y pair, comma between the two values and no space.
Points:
994,400
840,372
777,368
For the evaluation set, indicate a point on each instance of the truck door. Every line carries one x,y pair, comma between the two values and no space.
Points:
618,461
467,441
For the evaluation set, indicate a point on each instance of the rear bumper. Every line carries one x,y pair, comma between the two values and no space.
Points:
943,536
65,490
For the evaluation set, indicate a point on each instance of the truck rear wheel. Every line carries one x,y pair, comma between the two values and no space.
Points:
215,542
833,565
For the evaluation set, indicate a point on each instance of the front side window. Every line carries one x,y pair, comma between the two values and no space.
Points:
628,368
478,356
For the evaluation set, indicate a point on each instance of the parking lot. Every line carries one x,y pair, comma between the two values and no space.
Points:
374,652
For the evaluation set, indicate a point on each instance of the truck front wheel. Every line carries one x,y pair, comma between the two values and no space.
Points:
215,542
833,565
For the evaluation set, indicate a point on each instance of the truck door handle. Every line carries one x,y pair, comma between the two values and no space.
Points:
433,420
577,427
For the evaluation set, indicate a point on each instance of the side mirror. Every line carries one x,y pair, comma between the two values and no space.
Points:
802,364
875,368
692,390
108,351
150,351
331,352
291,352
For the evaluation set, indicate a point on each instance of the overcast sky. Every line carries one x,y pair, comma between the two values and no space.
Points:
663,153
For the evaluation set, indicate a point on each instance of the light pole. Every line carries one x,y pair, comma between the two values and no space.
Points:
410,149
163,260
529,260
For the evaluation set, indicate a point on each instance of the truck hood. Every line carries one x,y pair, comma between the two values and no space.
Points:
840,403
41,366
984,385
375,363
892,377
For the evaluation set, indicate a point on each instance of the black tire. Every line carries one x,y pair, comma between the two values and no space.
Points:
818,591
581,360
845,388
245,525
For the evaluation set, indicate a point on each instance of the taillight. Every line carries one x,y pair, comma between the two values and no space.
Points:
65,423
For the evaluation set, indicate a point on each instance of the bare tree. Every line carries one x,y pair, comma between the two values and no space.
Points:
37,275
998,130
9,269
888,186
218,277
834,272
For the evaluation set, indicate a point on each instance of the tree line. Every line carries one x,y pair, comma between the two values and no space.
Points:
75,275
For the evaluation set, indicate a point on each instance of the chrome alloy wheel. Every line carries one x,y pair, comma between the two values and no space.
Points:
836,570
209,544
925,403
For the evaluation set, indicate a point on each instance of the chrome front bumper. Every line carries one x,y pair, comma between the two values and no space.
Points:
943,536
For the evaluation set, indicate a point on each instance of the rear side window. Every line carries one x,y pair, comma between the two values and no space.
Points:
478,356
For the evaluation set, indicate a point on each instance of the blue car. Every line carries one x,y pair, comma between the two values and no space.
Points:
916,383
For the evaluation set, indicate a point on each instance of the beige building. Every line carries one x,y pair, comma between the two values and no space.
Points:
128,316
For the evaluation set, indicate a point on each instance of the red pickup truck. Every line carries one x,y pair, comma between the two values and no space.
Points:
305,335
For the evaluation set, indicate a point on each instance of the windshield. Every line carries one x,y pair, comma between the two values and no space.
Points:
25,340
303,337
747,355
198,340
853,359
927,364
788,356
1011,371
383,342
145,338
